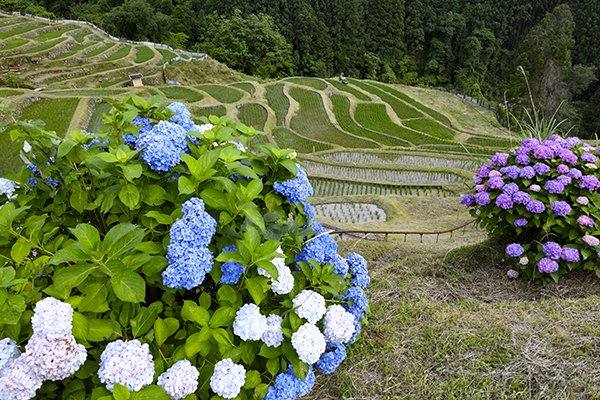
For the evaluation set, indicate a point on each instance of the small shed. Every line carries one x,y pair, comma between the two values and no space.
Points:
136,79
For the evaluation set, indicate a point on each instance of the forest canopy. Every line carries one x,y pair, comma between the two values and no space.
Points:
470,46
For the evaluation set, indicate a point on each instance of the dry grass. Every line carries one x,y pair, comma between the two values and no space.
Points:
446,323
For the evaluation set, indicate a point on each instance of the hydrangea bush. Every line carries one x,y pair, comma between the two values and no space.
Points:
165,259
543,200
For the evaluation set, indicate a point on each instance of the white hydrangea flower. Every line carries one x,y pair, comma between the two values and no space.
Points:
26,146
309,305
524,260
54,359
19,381
203,128
249,323
309,343
127,363
52,318
339,324
228,378
273,336
180,380
7,187
285,280
9,351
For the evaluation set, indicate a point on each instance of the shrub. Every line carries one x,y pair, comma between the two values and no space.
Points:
542,197
171,259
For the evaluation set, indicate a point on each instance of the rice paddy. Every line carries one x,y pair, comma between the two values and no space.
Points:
351,213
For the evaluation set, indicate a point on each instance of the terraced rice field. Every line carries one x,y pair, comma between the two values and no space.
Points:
254,115
385,158
351,213
324,187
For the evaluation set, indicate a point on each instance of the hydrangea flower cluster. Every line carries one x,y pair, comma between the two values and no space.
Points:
249,323
309,305
188,254
289,386
232,271
309,343
128,363
285,280
332,358
51,354
162,146
227,378
180,380
339,325
541,188
295,190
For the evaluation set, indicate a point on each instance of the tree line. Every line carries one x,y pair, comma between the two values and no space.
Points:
472,46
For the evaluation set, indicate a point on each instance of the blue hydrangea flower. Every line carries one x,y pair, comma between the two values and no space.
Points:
512,171
574,173
295,190
496,182
541,169
232,271
288,386
332,358
500,159
514,249
521,197
162,145
547,265
317,247
560,208
467,200
355,302
510,188
145,126
358,270
527,172
340,265
183,118
520,222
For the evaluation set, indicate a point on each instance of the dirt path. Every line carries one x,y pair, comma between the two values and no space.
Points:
294,106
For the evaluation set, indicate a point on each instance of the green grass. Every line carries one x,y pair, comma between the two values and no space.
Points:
431,127
57,113
341,109
18,31
245,86
99,50
373,116
80,36
462,149
14,43
253,114
119,54
401,109
96,118
167,54
46,45
432,113
181,93
222,94
349,89
310,82
54,34
219,111
278,102
312,122
491,141
286,138
143,54
113,82
75,50
9,92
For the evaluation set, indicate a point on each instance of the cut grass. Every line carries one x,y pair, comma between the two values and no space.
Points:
245,86
312,122
143,54
99,50
56,113
286,138
341,109
254,115
181,93
14,44
119,54
310,82
222,94
18,31
431,127
402,110
278,102
54,34
349,89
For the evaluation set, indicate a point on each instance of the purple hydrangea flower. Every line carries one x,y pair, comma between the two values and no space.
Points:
569,157
521,198
484,171
541,169
476,180
564,180
527,172
590,240
554,187
504,201
552,250
514,250
523,159
562,169
500,159
530,143
467,200
570,255
483,198
574,173
493,174
542,152
560,208
480,188
588,157
573,140
495,182
584,220
547,266
520,222
511,171
512,274
589,182
535,207
582,200
510,188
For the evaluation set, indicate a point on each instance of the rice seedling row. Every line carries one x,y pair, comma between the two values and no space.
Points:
54,34
490,141
222,94
349,89
254,115
57,113
326,187
311,121
397,93
74,50
286,138
382,175
14,44
80,37
181,93
310,82
341,110
431,127
401,109
143,54
119,54
278,102
18,31
351,213
461,149
355,157
245,86
113,82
